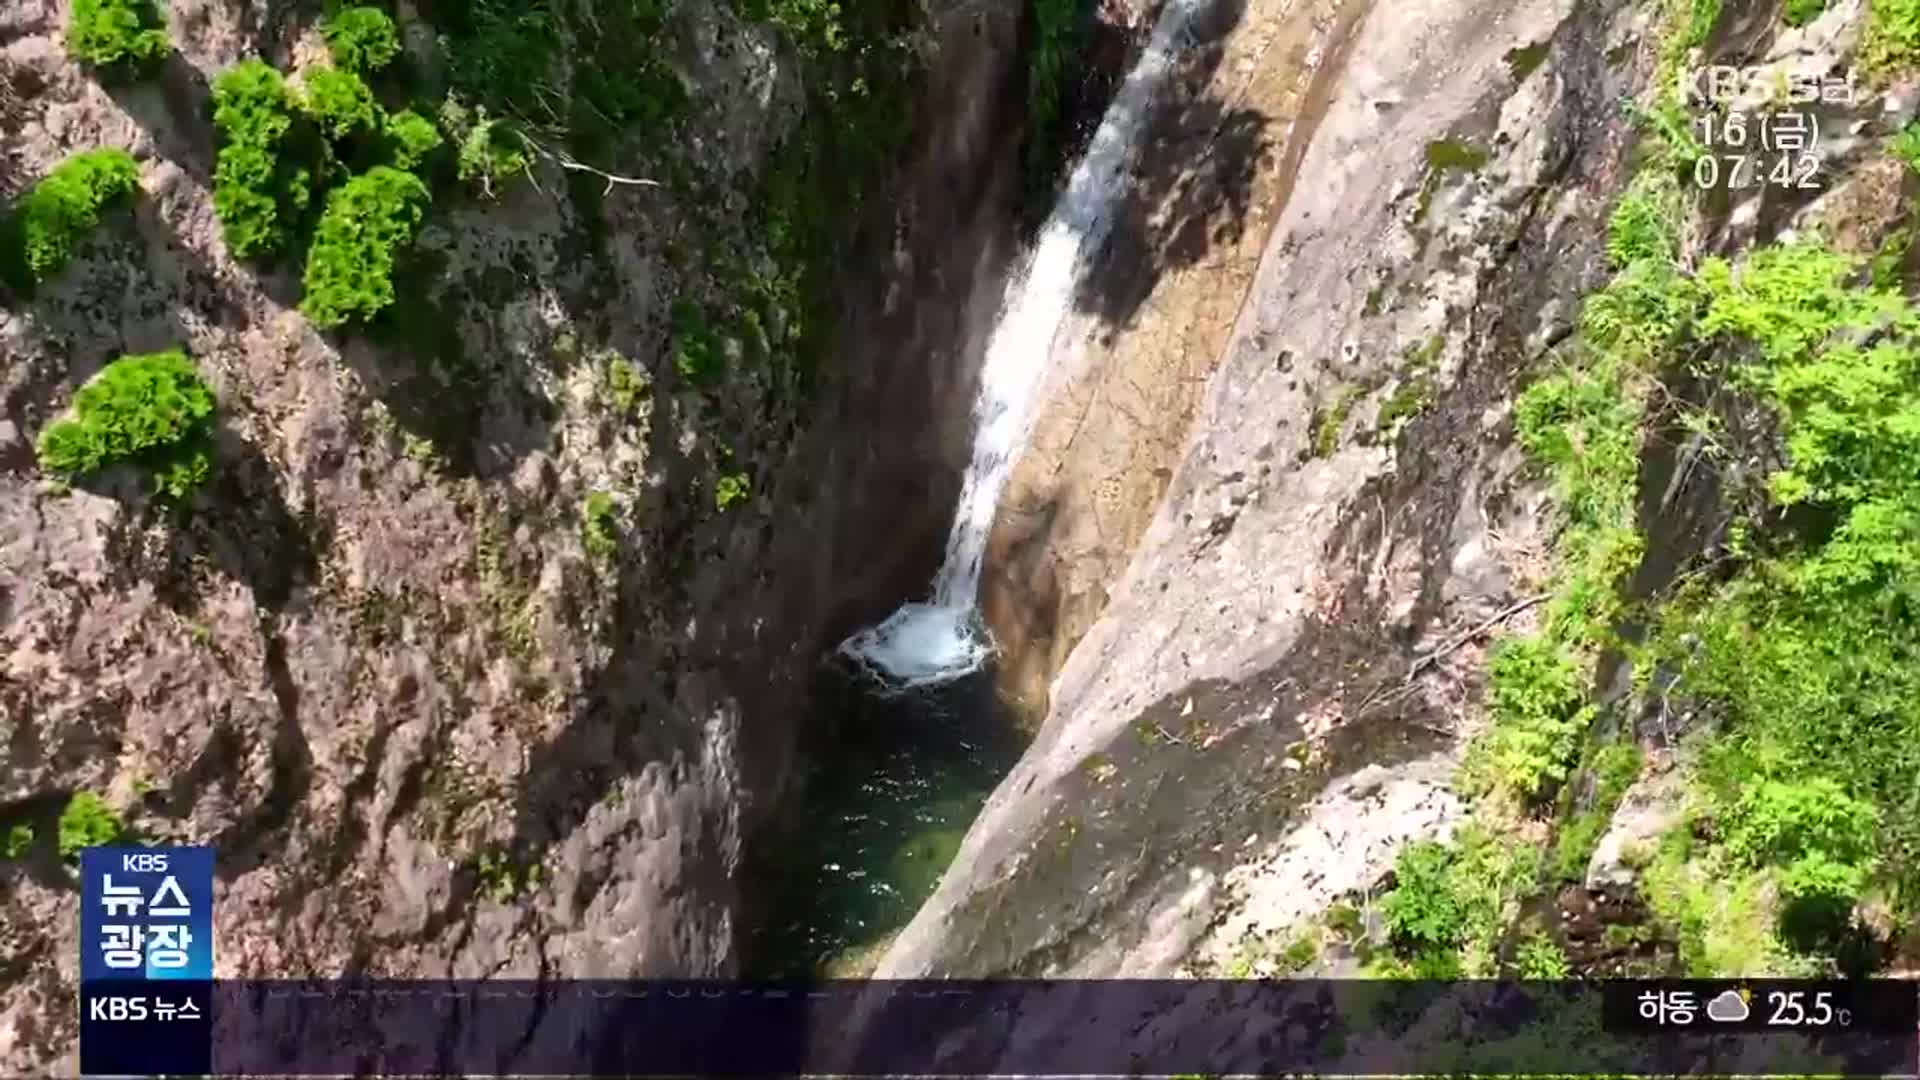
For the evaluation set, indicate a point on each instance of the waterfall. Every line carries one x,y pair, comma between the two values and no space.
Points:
936,641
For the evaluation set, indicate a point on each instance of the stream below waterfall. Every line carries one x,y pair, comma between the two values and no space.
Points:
883,818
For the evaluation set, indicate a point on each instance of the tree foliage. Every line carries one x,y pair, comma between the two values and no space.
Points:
362,39
412,141
41,232
261,185
151,411
369,221
340,103
125,36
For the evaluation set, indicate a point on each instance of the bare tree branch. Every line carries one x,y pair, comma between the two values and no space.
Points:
569,162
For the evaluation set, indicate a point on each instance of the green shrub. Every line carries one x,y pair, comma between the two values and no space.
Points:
501,51
87,821
1802,12
340,103
128,35
1537,957
1906,146
502,878
261,185
42,230
730,489
412,140
489,150
1701,16
1819,833
1614,769
697,353
814,25
1893,36
627,385
361,39
150,411
1537,697
1645,223
1421,909
599,528
1455,155
16,841
367,223
503,54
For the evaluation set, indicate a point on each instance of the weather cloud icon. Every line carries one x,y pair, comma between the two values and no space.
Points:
1729,1007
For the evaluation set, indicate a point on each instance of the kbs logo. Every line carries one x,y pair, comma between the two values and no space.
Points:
1724,84
144,863
117,1008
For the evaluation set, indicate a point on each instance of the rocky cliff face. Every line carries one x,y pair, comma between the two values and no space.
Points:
1272,696
1250,580
435,720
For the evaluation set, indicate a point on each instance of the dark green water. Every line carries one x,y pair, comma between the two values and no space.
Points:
894,785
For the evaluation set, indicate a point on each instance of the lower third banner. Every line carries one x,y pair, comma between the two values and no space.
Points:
1048,1028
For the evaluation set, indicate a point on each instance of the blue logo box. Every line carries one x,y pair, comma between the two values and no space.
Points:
146,913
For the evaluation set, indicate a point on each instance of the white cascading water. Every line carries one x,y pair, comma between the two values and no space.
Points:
937,641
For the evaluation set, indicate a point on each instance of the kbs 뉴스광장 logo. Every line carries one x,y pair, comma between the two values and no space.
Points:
146,961
147,913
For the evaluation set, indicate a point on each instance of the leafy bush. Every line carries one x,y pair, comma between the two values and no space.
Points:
412,139
1809,652
1445,910
1906,146
599,528
261,188
697,353
1802,12
1643,224
814,25
730,489
499,51
1893,35
1536,694
488,150
1614,770
151,411
1701,15
16,841
627,385
87,821
367,223
362,39
1537,957
50,219
1421,909
340,103
128,35
624,81
1812,827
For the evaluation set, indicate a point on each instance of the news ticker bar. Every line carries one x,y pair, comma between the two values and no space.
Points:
1032,1028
